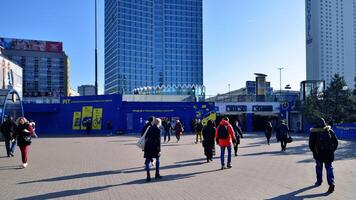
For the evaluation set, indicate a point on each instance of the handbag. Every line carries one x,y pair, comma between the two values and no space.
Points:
289,139
27,139
142,141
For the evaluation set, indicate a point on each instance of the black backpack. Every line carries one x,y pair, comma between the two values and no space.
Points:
222,132
324,141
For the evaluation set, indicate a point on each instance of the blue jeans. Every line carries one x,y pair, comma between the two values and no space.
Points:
329,172
222,155
147,166
10,146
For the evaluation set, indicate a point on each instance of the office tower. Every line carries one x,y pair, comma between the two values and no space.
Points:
331,40
153,45
45,66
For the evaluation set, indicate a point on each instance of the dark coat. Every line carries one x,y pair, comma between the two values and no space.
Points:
7,128
268,130
209,136
199,127
145,127
322,156
153,142
20,133
283,132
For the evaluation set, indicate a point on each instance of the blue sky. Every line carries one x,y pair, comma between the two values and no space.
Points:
241,37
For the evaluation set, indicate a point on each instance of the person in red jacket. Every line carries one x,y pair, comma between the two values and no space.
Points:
223,135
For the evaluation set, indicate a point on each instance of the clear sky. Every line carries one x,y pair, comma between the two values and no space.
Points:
241,37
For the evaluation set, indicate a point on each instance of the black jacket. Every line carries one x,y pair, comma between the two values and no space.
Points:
153,142
208,135
20,133
7,128
145,127
199,127
322,156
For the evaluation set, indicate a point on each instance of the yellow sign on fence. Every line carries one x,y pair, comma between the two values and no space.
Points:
87,111
76,120
97,118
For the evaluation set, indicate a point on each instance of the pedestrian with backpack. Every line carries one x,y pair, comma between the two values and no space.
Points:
323,143
223,135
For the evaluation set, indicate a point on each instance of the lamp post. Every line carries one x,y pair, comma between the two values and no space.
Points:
228,85
96,49
280,81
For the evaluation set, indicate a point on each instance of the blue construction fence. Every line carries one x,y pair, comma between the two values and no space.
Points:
345,131
109,114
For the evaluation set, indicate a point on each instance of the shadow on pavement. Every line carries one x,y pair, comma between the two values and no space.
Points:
11,167
294,195
69,193
113,172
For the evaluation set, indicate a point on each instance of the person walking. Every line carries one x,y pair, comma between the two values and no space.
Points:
208,140
323,143
167,130
23,134
153,148
283,134
238,135
149,123
7,128
268,131
179,130
198,131
223,135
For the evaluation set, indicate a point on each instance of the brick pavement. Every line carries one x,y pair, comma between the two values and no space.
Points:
112,168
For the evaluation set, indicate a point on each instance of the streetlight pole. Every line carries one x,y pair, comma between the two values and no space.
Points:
280,81
96,49
229,91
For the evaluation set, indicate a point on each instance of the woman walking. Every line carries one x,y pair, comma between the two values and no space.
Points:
238,135
268,131
179,130
23,134
153,148
208,140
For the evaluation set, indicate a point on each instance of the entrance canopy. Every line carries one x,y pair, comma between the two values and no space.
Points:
10,104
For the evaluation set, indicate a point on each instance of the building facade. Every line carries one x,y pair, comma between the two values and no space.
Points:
45,66
331,40
10,75
86,90
153,43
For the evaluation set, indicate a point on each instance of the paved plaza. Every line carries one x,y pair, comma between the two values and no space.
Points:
112,168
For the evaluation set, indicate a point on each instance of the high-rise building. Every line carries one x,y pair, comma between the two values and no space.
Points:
86,90
154,44
331,40
45,66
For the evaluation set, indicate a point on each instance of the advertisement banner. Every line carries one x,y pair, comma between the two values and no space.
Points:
87,112
31,45
76,120
97,118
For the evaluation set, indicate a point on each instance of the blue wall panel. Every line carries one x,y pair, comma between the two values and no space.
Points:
58,118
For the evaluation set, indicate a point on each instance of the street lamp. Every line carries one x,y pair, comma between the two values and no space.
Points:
280,81
96,49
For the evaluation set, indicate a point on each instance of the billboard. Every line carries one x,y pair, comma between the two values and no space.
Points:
31,45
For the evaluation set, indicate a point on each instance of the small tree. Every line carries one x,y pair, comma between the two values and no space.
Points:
337,102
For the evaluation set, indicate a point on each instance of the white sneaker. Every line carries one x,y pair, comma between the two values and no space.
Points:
24,165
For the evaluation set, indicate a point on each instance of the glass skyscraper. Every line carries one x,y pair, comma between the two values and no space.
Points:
153,44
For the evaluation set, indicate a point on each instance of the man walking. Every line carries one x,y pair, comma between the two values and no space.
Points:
323,143
7,129
223,135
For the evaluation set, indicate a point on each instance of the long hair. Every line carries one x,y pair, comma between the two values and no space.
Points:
24,119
